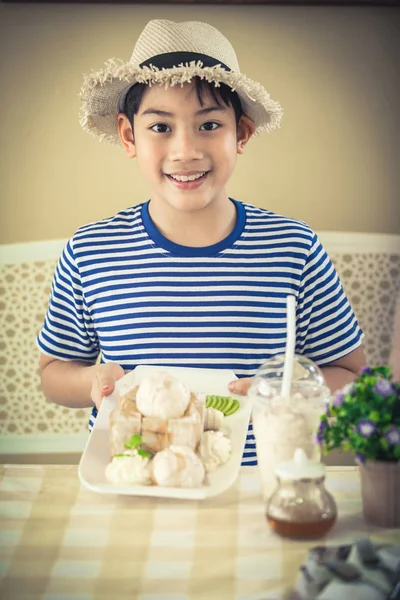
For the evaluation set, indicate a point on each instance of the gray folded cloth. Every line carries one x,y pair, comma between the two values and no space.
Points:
360,571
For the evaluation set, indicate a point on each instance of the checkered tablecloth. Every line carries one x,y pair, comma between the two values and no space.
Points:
58,541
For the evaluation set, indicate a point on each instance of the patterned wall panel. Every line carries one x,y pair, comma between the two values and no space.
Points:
24,293
372,285
371,281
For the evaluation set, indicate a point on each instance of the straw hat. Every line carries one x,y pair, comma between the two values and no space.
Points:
171,53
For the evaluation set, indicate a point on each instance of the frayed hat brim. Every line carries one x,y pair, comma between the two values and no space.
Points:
101,90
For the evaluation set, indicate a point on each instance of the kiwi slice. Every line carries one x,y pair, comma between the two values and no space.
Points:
218,403
228,405
210,401
225,404
232,409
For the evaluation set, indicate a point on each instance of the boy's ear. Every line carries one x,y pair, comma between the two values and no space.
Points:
126,135
246,128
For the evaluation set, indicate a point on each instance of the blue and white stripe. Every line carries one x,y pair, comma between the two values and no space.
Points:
123,290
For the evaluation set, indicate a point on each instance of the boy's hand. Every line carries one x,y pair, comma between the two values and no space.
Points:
240,386
104,381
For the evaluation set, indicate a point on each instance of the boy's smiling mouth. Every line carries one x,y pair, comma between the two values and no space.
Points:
187,180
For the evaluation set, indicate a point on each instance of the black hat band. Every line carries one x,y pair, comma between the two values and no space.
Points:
174,59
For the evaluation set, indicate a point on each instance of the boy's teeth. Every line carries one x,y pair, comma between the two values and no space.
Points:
187,177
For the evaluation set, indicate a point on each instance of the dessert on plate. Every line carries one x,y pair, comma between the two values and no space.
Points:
214,449
162,410
136,470
178,466
162,434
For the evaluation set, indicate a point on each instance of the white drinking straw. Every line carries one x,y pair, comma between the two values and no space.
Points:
290,345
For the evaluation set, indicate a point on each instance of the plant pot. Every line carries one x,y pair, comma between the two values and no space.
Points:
380,491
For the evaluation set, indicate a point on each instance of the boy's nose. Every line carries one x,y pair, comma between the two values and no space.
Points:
185,146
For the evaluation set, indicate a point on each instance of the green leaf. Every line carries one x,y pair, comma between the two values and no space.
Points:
122,456
384,443
144,453
134,442
374,416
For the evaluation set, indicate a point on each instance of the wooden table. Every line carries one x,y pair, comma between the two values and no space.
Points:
58,541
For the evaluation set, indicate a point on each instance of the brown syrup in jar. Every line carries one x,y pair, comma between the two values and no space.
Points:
301,530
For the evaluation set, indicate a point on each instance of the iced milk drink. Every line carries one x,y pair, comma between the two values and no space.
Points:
283,424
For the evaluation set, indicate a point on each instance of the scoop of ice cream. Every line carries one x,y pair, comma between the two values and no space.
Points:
214,450
213,419
178,466
129,467
162,395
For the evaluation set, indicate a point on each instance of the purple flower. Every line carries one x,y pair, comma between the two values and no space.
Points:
320,433
338,398
360,457
366,427
366,371
393,435
350,388
383,388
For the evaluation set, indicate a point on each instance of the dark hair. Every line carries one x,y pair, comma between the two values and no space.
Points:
222,93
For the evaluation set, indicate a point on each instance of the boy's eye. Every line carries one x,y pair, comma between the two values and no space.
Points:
160,128
209,126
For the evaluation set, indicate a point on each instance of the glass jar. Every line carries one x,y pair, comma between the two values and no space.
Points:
282,424
301,507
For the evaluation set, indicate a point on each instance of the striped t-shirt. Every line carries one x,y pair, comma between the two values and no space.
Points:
122,290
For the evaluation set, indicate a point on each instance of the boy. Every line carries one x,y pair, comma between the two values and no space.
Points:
191,277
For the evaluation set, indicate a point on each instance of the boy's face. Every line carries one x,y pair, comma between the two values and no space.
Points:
176,138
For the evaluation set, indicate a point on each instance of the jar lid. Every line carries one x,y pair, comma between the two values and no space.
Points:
300,468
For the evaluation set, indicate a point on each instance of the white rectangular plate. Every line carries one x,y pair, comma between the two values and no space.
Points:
96,455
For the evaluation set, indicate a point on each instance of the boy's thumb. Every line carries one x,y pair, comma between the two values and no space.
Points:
240,386
106,385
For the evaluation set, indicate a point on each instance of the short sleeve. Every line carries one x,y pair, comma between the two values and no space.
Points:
327,328
68,332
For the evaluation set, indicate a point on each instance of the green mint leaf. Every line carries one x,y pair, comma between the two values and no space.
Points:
134,442
144,453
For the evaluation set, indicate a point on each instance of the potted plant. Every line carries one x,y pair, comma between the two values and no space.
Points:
365,417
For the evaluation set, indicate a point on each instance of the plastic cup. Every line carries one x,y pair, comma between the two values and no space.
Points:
283,424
